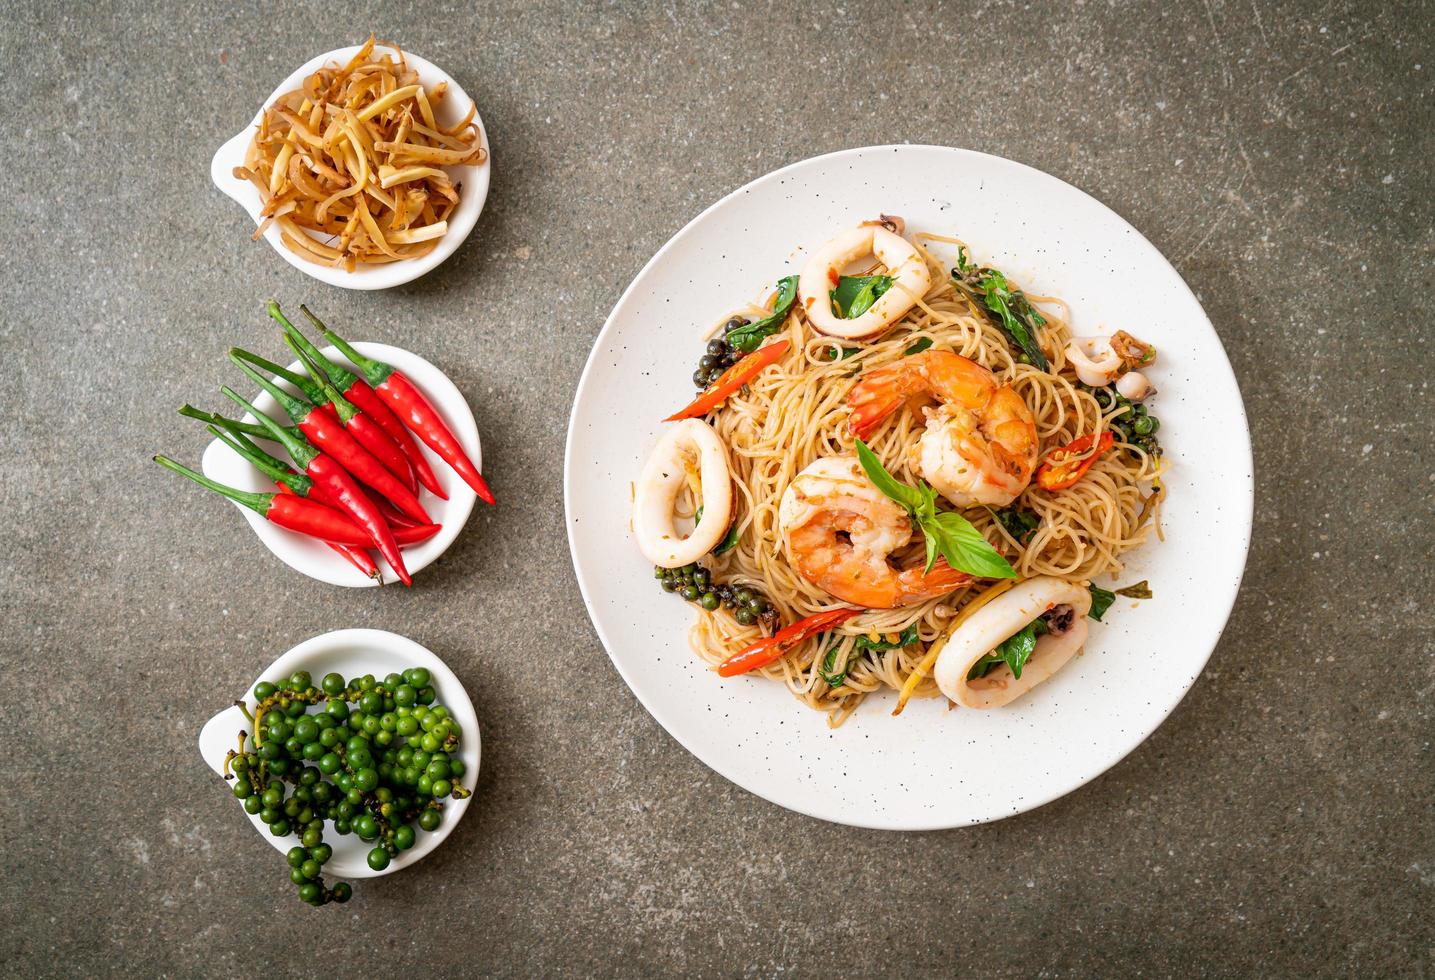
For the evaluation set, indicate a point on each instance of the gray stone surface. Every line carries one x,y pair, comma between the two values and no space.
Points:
1278,824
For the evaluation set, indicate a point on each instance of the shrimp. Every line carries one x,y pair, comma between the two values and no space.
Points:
910,278
980,446
840,531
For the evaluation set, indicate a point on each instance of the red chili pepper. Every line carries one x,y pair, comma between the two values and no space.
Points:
353,554
414,411
289,481
339,486
368,432
1064,466
289,511
395,518
766,650
357,390
325,432
731,380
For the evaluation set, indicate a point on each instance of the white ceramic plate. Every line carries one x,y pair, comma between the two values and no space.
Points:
312,557
354,653
472,192
930,767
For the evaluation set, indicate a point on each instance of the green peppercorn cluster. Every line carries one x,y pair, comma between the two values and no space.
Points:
377,758
694,583
719,356
1136,427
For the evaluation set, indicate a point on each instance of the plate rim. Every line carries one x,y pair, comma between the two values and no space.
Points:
730,773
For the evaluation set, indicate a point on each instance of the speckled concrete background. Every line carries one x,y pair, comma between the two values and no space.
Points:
1280,823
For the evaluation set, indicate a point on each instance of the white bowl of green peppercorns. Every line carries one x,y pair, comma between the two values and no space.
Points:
355,711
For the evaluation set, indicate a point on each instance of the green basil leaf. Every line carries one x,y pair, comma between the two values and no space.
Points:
727,543
1020,524
834,677
1101,601
1140,590
749,338
964,547
908,497
984,666
1015,315
1014,651
855,295
1006,307
947,532
917,346
830,674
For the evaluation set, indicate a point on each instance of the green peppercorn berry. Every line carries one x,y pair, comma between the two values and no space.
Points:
430,819
343,892
744,616
404,837
264,690
333,684
310,892
690,593
378,859
710,601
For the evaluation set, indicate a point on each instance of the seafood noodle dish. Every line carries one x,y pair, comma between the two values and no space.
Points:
902,472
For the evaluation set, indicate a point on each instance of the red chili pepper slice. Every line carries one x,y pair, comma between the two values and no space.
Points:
765,651
414,411
731,380
357,390
1064,466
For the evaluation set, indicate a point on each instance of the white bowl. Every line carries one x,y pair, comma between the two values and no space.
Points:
474,181
312,557
353,653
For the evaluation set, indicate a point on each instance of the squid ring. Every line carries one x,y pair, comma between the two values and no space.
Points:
1002,618
664,476
909,272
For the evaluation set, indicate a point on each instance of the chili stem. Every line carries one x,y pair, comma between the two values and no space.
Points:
247,428
305,385
257,502
297,448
